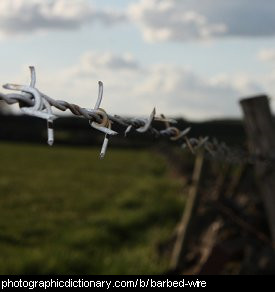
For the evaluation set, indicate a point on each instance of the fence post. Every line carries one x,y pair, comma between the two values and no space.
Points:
260,130
185,225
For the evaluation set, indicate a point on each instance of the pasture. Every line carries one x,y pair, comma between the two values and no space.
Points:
64,211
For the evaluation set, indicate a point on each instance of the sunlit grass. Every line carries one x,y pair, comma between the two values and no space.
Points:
64,211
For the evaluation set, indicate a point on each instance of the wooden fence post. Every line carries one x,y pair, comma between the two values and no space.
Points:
260,130
185,225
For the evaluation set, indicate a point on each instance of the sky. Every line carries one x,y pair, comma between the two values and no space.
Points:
188,58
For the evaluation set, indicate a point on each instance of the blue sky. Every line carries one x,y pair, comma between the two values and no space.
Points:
189,58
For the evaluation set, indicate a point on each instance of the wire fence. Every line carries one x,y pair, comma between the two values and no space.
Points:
35,103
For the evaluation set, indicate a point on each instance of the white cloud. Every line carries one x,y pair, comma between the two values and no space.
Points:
180,20
159,20
23,17
132,89
185,92
91,63
267,55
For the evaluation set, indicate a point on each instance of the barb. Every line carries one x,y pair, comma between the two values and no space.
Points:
33,102
41,108
105,125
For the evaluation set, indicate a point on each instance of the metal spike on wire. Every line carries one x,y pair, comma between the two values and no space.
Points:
178,134
35,103
41,108
105,125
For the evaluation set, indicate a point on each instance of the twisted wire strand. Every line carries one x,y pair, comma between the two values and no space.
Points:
27,99
76,110
214,149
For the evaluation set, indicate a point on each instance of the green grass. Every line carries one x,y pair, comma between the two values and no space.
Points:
64,211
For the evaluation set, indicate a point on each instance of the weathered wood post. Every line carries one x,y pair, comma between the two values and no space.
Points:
260,130
185,225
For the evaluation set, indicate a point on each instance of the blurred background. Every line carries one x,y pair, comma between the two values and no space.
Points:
64,211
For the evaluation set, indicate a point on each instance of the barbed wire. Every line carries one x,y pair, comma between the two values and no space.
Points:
33,102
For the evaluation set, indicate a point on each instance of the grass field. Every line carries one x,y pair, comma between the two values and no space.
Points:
64,211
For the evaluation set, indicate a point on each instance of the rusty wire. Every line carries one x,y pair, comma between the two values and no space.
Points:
27,99
34,102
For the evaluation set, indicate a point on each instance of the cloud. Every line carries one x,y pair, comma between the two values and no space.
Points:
267,55
181,20
133,89
159,20
22,17
181,91
93,63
